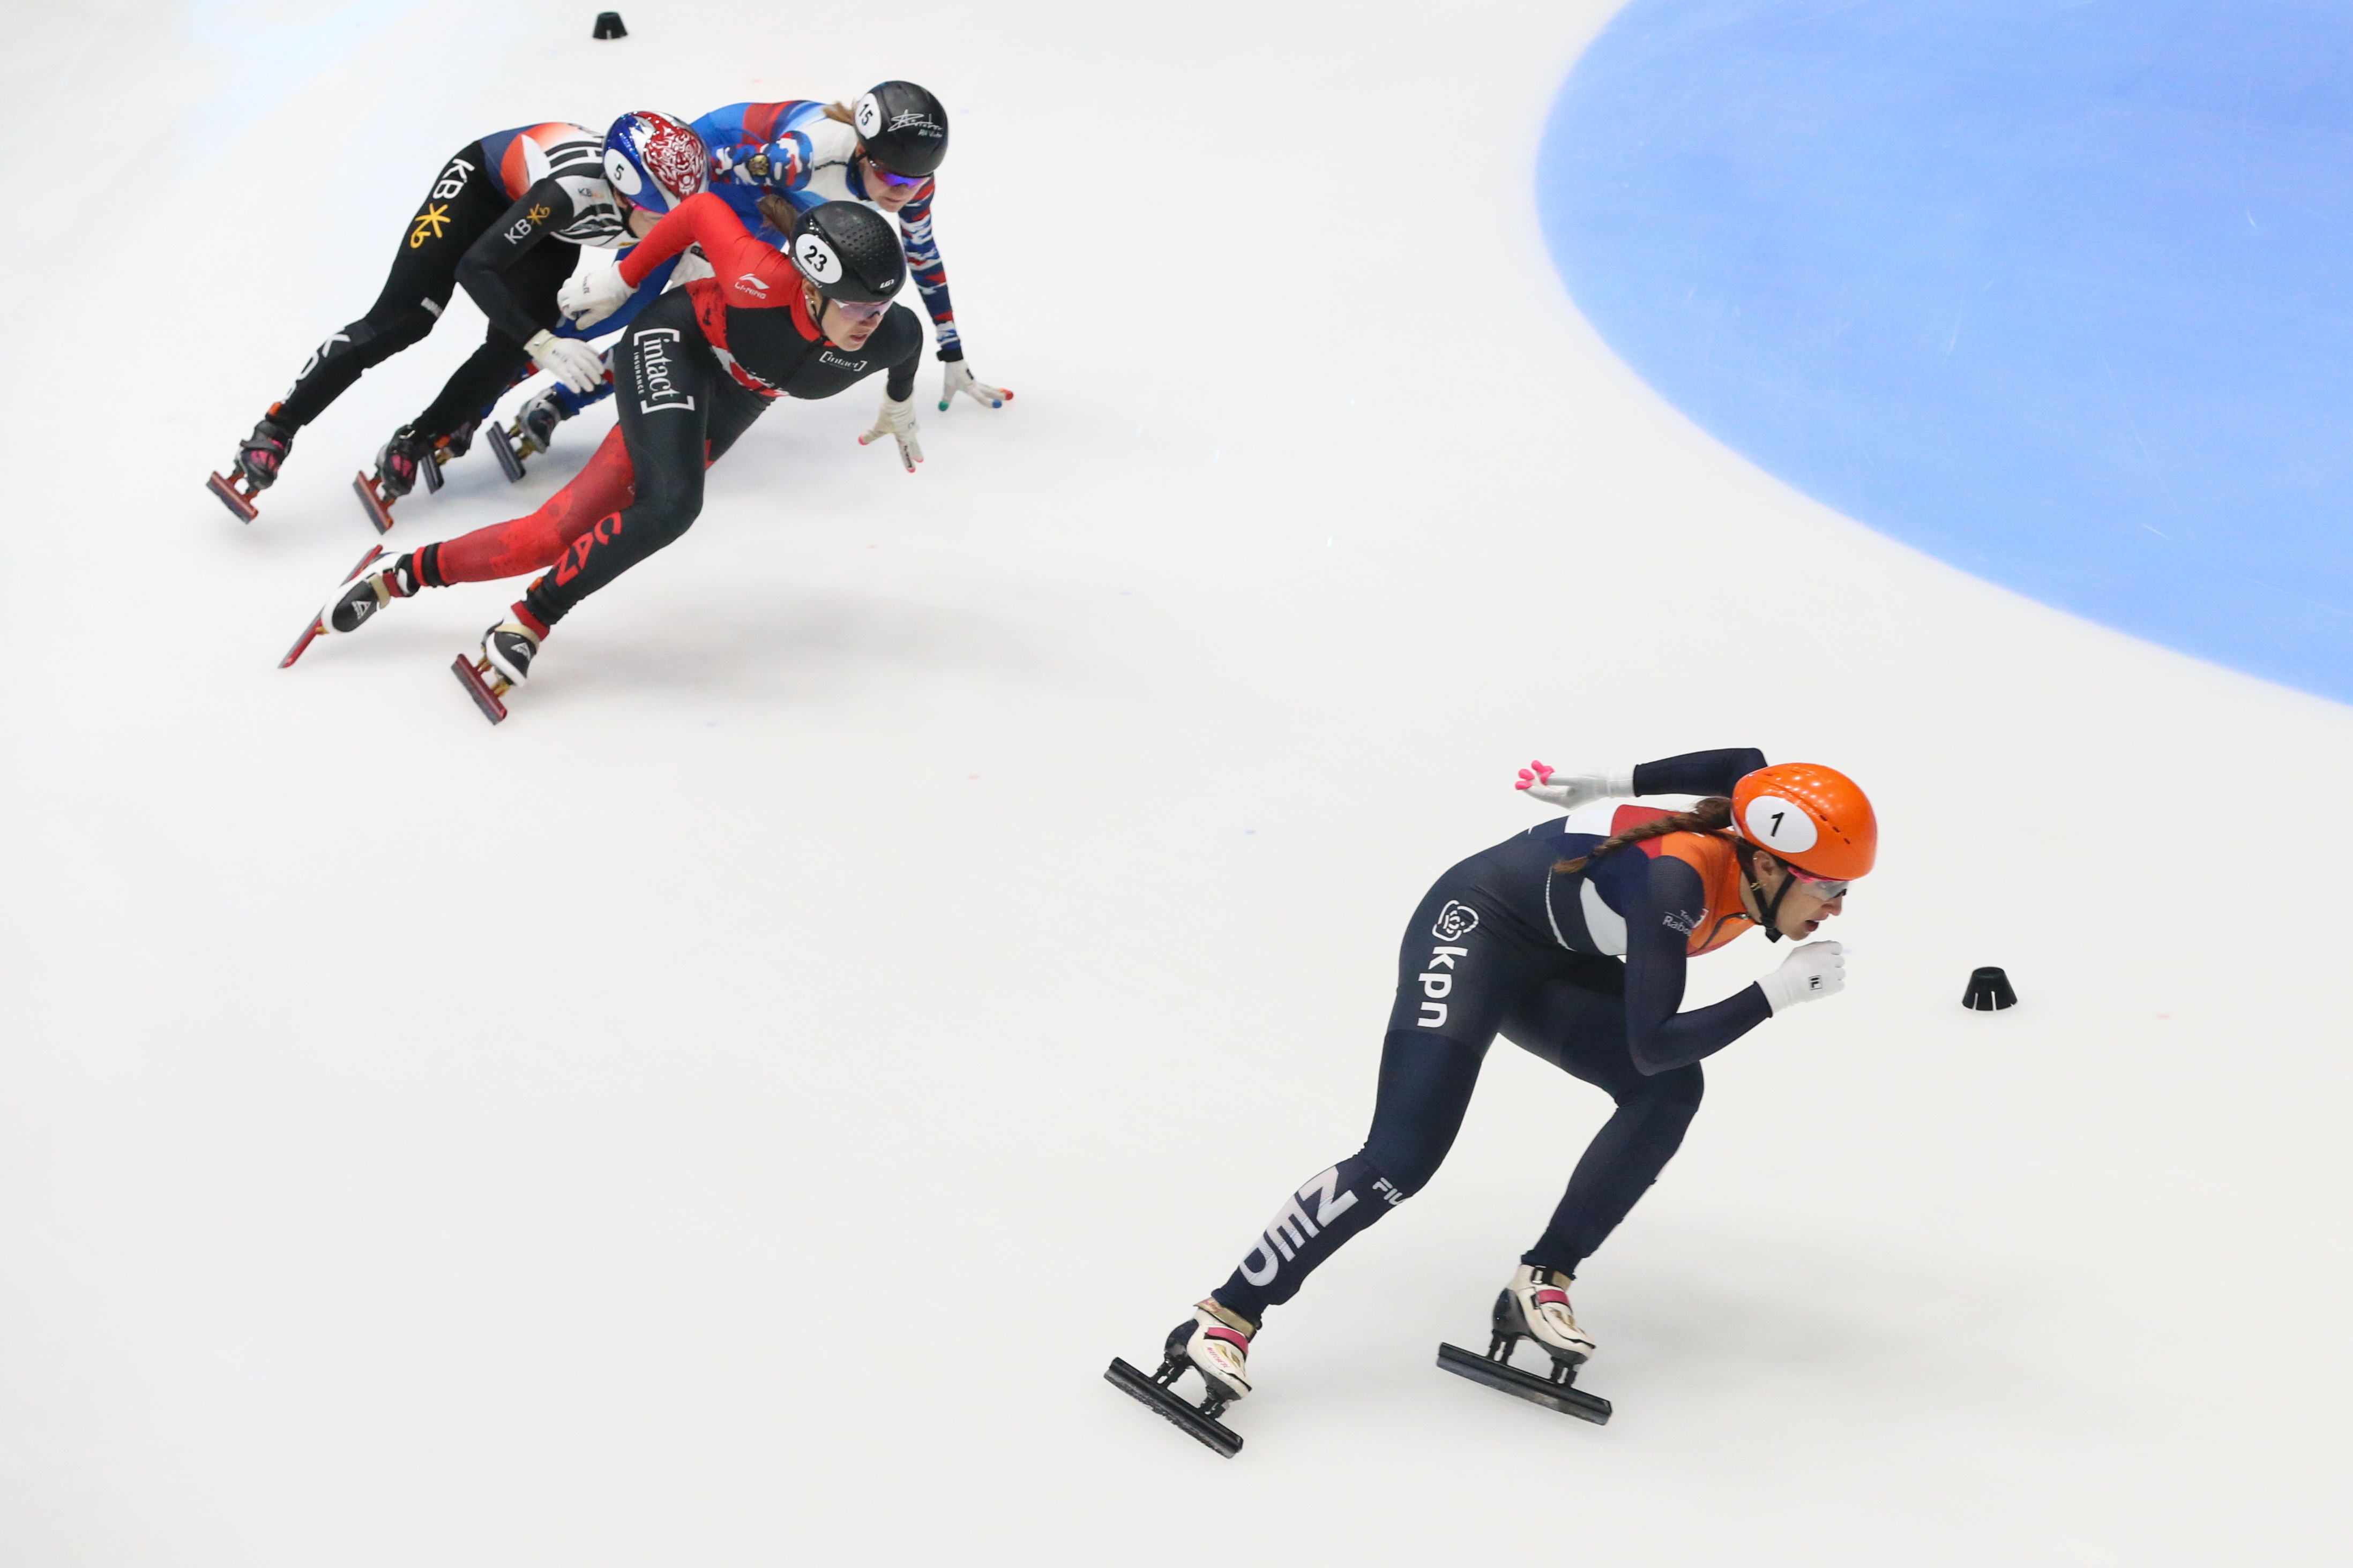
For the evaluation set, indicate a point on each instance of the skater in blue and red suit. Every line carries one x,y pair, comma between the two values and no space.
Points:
506,218
696,368
772,162
1574,945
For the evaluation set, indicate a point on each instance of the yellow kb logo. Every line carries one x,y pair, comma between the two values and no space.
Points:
429,224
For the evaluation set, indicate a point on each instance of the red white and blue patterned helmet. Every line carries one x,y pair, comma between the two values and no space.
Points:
654,162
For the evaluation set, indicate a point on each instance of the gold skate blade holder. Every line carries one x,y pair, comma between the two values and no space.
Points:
484,684
238,495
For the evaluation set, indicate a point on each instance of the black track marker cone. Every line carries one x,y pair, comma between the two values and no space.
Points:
608,26
1988,991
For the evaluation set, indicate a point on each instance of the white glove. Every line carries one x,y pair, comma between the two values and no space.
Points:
1569,791
959,379
1814,970
897,420
593,295
569,360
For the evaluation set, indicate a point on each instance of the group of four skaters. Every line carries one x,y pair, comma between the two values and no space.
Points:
775,222
1572,943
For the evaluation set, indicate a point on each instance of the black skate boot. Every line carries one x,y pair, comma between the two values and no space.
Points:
374,582
393,577
258,462
1533,1306
532,432
503,664
457,443
397,468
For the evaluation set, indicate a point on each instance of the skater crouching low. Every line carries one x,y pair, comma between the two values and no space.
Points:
695,369
1575,947
506,219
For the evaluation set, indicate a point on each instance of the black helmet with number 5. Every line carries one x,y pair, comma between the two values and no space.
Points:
849,251
902,128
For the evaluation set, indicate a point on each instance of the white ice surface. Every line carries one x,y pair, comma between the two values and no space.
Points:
914,929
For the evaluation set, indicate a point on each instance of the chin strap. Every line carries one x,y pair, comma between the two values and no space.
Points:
1767,910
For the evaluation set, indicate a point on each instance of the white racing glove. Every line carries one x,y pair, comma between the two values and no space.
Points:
1814,970
897,420
1569,791
569,360
594,295
959,378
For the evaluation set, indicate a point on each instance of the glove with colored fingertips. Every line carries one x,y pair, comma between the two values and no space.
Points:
1813,971
897,420
1569,791
959,378
593,296
569,360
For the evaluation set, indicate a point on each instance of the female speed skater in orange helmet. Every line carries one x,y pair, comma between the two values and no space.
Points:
1573,945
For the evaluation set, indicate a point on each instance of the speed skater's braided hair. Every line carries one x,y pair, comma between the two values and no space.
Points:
1710,815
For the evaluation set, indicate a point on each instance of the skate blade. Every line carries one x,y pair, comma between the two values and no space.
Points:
510,457
378,505
238,500
319,622
429,471
1174,1406
1509,1379
477,682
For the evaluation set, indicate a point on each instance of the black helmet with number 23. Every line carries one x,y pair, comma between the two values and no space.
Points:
849,251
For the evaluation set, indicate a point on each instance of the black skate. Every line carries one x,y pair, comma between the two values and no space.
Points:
397,465
319,622
532,432
1495,1369
1198,1422
502,666
258,462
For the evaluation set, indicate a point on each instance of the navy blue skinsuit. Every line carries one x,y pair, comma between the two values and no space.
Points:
1500,944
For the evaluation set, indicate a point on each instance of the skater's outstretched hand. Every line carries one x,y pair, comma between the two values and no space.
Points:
897,420
959,378
569,360
1813,971
594,295
1569,791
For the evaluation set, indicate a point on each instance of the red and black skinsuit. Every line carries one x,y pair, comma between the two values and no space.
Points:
692,373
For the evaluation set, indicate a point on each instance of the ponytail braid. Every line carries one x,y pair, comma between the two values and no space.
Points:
1710,815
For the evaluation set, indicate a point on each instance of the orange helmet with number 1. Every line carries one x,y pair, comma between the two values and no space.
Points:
1813,818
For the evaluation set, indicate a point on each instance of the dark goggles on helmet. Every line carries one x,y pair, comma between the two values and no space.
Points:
896,182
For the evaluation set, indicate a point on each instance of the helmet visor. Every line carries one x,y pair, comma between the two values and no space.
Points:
867,310
896,182
1827,889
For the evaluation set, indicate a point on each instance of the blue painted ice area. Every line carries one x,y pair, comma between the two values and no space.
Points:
2062,293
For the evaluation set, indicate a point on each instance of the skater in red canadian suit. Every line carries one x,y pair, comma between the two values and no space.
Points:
1573,946
695,369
